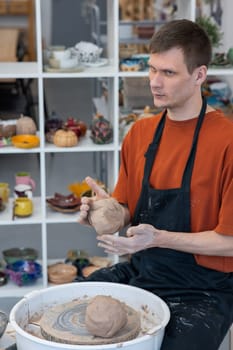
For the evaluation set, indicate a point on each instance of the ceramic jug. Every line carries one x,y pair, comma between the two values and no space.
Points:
4,192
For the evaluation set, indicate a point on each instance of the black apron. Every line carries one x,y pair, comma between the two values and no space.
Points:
200,299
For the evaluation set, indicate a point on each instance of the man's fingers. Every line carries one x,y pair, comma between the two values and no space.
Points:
99,191
82,218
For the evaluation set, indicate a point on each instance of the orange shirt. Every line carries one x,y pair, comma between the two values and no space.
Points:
212,178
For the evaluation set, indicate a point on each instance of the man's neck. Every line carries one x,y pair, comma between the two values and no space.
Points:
187,112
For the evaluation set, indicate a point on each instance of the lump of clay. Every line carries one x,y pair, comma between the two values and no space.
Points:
105,316
106,216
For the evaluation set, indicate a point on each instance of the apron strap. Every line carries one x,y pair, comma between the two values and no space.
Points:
149,155
152,149
186,180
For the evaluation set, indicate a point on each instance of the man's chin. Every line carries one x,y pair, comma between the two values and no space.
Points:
159,103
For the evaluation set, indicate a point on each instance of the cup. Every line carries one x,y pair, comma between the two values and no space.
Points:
23,191
22,207
24,178
61,54
4,192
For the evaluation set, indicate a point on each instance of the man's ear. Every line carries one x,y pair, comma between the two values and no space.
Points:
200,74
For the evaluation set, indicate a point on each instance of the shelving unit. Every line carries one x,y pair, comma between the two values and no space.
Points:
47,155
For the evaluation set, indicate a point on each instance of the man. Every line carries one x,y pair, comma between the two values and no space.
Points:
175,188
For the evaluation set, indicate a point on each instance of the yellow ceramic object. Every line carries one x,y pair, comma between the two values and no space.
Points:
78,188
23,206
4,191
83,189
25,141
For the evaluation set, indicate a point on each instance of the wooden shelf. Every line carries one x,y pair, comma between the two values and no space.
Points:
22,8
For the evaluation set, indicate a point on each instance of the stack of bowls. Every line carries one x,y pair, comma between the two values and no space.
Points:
62,58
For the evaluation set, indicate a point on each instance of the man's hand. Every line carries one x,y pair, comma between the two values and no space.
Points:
137,238
87,202
103,212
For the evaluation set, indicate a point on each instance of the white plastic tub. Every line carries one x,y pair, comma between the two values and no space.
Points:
38,301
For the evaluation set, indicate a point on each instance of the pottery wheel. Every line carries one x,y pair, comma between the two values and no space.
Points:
65,323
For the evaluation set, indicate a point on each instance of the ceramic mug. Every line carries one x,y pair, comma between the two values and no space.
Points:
4,191
21,191
23,207
24,178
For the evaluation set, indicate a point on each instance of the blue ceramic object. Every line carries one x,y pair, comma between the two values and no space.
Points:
24,272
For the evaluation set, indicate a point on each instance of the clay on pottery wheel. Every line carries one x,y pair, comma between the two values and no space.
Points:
105,316
65,323
106,216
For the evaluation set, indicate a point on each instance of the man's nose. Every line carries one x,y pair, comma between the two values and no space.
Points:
156,80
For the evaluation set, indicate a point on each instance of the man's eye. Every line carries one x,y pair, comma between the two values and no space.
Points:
152,69
169,73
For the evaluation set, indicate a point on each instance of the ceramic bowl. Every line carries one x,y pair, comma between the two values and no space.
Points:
132,64
60,54
25,141
62,201
24,272
3,322
15,254
64,63
61,273
7,128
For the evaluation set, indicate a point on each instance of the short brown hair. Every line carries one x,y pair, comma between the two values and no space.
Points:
187,35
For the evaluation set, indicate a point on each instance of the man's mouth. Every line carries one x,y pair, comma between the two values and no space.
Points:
158,95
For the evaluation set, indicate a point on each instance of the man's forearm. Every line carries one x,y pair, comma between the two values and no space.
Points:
204,243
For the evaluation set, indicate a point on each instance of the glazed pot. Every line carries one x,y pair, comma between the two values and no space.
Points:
23,206
4,192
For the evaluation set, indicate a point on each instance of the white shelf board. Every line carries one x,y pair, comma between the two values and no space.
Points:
108,70
12,149
35,218
85,144
11,289
19,70
50,148
54,217
143,73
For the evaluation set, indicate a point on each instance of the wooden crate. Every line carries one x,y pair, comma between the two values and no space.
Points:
19,7
3,7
